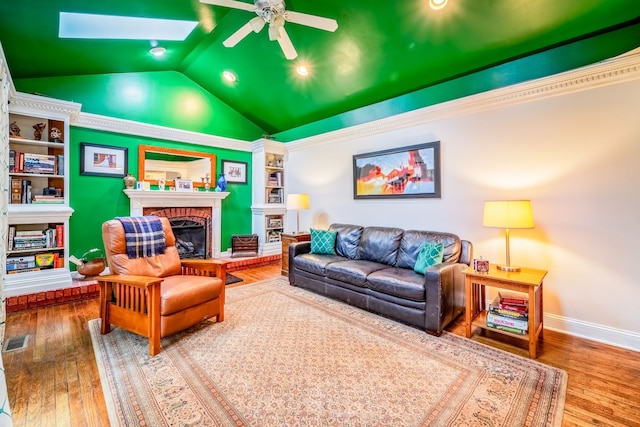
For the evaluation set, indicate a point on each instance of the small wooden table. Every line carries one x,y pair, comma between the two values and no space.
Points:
527,280
288,239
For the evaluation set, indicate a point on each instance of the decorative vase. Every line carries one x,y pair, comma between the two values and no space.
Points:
129,181
222,182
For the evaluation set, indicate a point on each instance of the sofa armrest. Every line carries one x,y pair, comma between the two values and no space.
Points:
444,294
294,250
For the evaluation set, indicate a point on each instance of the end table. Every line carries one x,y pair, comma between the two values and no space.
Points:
288,239
527,280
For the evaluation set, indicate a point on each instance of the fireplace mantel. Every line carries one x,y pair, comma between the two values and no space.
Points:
140,199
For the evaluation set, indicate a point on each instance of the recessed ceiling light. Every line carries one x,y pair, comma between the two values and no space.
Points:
157,51
437,4
229,76
88,26
302,70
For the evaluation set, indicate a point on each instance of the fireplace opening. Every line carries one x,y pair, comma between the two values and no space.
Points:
191,238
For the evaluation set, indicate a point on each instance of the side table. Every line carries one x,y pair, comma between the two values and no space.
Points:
288,239
526,280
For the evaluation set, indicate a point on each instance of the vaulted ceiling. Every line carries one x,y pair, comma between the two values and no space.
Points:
381,53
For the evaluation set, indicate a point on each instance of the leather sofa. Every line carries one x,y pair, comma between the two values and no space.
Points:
373,270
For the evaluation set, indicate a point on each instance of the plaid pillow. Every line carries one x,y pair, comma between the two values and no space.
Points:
323,242
430,254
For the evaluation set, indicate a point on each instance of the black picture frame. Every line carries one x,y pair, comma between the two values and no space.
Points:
103,160
235,172
405,172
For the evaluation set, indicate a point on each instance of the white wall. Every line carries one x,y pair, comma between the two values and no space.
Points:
576,155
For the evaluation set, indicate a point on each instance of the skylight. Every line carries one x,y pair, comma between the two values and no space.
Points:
86,26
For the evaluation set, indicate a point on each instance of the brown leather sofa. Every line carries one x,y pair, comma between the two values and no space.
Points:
373,270
160,295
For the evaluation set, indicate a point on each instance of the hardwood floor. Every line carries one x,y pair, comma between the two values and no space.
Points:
54,381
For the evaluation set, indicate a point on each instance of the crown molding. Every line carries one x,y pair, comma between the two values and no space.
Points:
617,70
25,102
130,127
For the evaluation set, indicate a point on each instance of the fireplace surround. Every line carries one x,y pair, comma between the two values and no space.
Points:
191,205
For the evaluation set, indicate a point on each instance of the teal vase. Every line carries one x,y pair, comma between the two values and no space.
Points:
222,182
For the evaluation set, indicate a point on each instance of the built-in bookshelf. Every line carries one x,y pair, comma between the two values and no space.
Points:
38,200
268,206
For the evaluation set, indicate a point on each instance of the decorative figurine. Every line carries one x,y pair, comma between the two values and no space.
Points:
161,183
222,182
37,130
14,130
55,134
129,181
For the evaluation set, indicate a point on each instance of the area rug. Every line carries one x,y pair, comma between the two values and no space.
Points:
287,357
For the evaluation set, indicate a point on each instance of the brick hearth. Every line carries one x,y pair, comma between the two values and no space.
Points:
88,288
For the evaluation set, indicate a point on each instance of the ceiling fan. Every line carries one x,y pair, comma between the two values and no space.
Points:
274,13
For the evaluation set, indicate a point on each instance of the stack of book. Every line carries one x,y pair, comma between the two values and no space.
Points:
509,312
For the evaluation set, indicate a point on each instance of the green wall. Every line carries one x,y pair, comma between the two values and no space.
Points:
97,199
163,98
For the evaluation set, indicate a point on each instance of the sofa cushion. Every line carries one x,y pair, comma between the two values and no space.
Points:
380,244
412,241
347,239
430,254
354,272
398,282
323,242
315,263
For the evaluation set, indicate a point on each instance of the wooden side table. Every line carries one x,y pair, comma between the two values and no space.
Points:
527,280
288,239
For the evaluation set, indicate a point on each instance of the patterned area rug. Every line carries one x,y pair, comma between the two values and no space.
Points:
288,357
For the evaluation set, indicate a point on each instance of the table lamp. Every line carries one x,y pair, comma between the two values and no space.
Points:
508,214
297,202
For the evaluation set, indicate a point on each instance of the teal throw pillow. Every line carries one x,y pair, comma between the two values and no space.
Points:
430,254
323,242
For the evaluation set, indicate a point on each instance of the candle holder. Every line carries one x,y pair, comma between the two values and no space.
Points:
206,183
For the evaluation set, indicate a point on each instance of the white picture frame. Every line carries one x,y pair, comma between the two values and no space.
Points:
184,185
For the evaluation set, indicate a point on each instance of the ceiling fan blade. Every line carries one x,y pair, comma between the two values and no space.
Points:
235,38
319,22
231,3
285,44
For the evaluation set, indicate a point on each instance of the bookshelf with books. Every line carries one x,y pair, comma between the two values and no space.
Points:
516,310
38,201
269,177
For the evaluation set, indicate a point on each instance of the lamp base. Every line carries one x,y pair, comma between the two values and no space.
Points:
509,268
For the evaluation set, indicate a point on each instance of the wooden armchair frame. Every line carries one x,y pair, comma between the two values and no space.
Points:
133,302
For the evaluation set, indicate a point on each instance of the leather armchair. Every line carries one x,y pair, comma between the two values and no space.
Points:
159,295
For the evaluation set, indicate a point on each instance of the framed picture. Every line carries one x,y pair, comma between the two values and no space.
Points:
235,172
184,185
103,160
407,172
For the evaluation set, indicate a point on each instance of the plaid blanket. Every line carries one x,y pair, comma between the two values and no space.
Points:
144,236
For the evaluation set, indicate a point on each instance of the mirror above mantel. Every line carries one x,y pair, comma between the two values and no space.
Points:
171,164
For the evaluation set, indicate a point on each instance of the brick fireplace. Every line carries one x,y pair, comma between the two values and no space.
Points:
191,227
191,208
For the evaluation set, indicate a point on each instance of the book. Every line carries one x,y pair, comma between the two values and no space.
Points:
10,235
12,161
59,235
507,321
515,312
16,190
509,297
506,328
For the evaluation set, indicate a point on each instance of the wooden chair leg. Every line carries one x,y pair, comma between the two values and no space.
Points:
105,324
154,319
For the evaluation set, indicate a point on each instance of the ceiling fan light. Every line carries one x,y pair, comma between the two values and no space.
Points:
437,4
274,32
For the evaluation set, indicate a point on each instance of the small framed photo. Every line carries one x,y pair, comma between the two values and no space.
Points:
103,160
235,172
481,265
143,185
184,185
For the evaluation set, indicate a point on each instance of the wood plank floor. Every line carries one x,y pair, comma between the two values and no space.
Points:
55,380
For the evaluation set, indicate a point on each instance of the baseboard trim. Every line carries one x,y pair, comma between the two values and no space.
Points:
593,331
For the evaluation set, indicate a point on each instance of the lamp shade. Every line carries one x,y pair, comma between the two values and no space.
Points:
508,214
298,201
